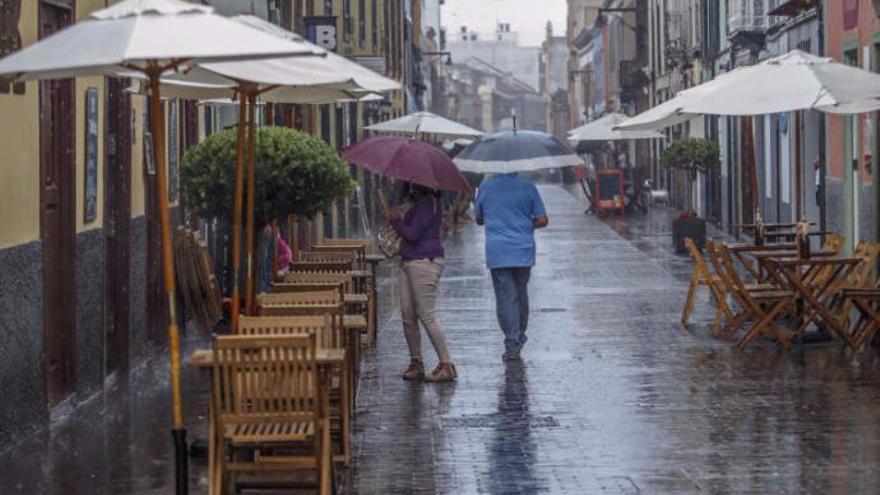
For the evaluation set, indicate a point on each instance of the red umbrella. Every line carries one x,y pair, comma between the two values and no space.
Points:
408,160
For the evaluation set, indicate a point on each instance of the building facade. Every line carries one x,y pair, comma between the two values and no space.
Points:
79,244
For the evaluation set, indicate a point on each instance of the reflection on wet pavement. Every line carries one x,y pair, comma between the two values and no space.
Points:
613,395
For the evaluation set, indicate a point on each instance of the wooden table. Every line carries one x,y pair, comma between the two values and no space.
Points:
327,359
797,275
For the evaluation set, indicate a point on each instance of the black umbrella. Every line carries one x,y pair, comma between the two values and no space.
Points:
516,151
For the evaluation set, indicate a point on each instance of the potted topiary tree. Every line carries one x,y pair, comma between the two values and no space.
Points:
693,155
296,173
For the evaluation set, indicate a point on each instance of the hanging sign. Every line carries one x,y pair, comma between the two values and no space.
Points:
322,31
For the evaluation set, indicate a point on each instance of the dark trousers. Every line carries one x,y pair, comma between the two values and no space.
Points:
512,303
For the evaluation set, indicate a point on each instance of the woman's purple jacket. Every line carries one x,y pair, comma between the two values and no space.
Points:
419,230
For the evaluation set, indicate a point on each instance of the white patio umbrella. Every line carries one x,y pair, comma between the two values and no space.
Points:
150,37
787,83
604,129
323,78
425,123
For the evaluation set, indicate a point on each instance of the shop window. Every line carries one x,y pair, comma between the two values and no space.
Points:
10,40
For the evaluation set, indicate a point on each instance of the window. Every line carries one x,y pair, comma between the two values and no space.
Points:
374,16
347,25
362,23
10,40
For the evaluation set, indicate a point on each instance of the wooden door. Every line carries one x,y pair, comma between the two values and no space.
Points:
57,219
117,224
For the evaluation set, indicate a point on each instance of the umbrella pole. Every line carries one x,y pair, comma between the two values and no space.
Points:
179,432
236,223
251,156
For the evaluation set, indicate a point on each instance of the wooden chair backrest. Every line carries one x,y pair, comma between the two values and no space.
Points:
311,303
368,243
319,278
265,378
359,250
321,266
329,256
863,274
700,266
833,242
722,262
327,333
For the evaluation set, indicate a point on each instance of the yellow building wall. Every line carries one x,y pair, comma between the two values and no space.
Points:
20,156
20,142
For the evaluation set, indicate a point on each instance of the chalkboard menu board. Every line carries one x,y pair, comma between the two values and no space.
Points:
90,210
609,190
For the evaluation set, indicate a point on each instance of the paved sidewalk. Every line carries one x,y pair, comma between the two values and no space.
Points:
613,396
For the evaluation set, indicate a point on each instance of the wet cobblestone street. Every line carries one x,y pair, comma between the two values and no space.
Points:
613,396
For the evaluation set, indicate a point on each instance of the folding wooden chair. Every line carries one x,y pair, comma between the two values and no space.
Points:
329,336
268,400
359,251
357,299
701,276
350,257
867,303
758,304
321,266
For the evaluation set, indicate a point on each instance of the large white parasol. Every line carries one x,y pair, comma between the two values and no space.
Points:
425,123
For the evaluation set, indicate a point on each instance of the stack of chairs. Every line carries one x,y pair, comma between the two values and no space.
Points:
266,394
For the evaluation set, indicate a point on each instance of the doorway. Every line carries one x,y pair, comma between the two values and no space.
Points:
117,224
57,217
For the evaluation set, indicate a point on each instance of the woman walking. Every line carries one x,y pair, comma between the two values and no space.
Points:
422,265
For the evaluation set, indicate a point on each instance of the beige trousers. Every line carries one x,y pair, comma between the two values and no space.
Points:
419,281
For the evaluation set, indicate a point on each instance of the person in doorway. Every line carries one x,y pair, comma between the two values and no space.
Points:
421,267
511,209
817,167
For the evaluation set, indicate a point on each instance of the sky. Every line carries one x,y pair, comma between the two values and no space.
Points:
528,17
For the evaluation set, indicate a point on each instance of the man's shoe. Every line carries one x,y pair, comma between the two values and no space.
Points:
415,371
444,372
511,354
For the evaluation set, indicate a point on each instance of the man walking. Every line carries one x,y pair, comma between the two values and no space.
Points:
511,209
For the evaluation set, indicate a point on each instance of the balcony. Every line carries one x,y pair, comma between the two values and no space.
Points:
748,24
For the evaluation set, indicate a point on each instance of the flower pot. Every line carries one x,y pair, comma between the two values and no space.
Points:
682,228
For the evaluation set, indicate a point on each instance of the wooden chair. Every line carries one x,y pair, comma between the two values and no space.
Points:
321,266
356,297
368,243
329,336
701,276
267,400
758,304
350,257
359,251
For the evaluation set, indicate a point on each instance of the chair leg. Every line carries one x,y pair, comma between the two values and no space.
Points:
690,300
324,463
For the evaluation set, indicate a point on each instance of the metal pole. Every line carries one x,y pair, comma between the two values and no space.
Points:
239,201
823,171
158,129
252,165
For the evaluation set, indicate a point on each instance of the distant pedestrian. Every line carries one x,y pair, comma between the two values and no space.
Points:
817,167
511,209
421,268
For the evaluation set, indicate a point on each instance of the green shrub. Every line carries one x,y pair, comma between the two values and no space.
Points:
296,173
692,155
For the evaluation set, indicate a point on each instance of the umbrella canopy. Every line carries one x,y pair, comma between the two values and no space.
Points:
603,129
408,160
324,78
425,123
134,34
516,151
791,82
